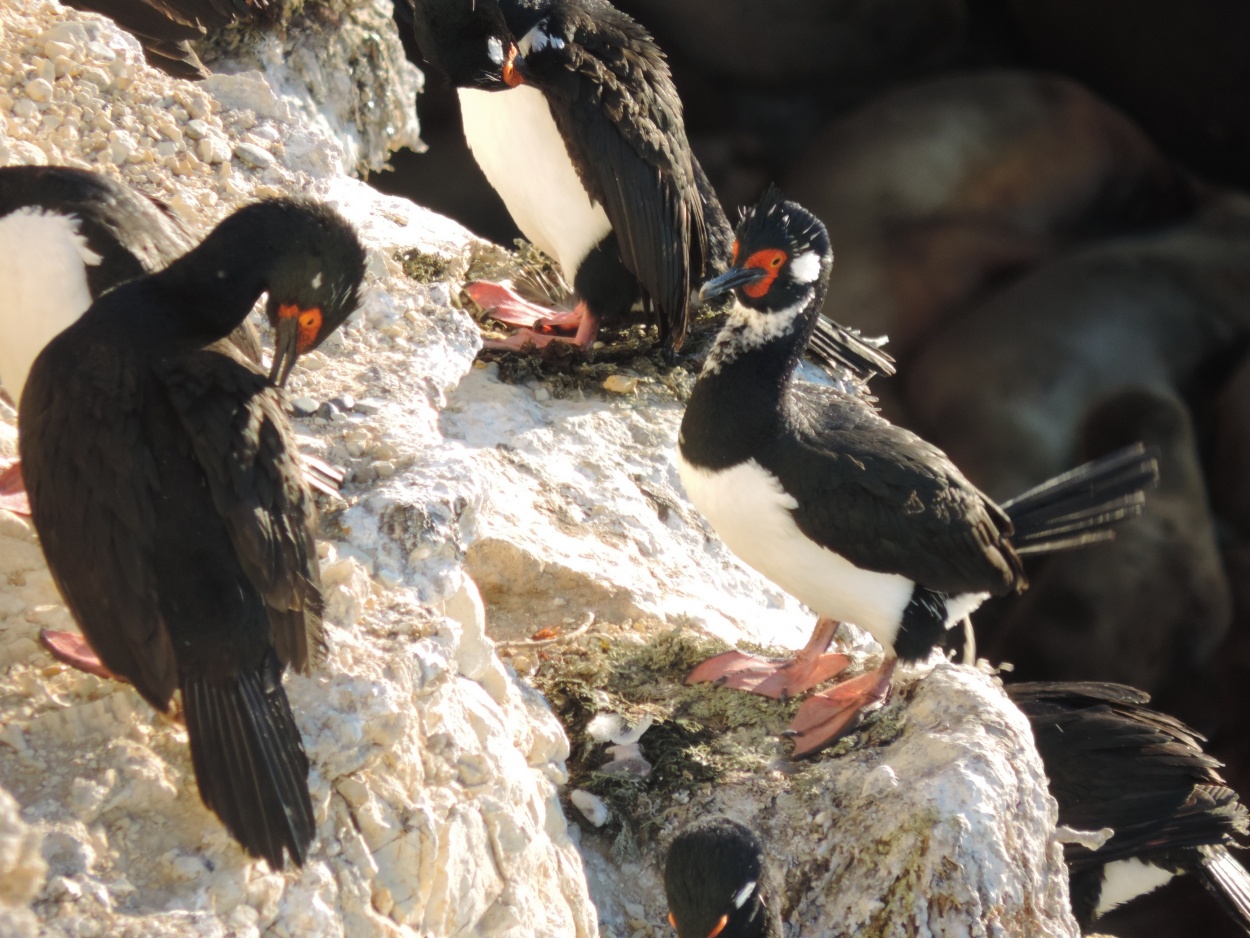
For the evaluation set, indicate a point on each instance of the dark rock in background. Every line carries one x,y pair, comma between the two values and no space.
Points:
937,194
1181,69
842,49
1005,387
1147,609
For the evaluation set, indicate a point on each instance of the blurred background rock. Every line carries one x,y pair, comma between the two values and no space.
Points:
1041,204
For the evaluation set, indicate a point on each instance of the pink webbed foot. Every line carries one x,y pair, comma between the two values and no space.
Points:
506,305
540,336
72,649
13,490
826,717
776,679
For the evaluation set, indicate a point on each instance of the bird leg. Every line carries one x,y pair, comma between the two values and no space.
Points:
824,718
72,649
13,490
772,678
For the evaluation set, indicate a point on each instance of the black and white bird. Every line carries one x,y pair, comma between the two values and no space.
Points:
718,883
66,236
578,127
569,108
1112,762
171,507
861,520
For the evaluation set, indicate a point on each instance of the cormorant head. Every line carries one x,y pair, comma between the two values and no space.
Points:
781,257
467,40
715,882
314,281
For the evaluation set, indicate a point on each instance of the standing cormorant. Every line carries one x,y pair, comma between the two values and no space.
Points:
170,505
570,110
861,520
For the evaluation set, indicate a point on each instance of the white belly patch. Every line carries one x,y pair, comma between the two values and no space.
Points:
516,142
748,508
1127,879
43,287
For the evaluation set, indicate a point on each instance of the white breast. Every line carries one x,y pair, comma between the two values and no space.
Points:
748,508
43,287
1127,879
516,142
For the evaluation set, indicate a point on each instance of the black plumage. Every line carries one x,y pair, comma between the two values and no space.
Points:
607,91
167,28
129,235
719,884
1112,762
861,520
614,102
170,505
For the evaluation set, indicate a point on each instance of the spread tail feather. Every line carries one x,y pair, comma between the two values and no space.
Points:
249,761
1228,881
1081,506
833,347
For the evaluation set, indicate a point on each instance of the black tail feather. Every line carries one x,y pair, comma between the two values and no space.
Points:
1080,506
1228,881
833,347
250,763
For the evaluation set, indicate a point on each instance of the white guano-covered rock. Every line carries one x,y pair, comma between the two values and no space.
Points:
933,820
475,510
435,795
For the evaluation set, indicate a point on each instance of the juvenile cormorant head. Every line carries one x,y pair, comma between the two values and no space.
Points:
716,883
781,257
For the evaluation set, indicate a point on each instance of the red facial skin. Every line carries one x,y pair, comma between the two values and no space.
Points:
309,324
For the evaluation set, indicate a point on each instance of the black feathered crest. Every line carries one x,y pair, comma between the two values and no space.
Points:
777,222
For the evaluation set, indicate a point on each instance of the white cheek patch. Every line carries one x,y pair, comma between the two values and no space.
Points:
494,49
806,267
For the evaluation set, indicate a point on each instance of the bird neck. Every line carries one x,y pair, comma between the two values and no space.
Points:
738,401
215,285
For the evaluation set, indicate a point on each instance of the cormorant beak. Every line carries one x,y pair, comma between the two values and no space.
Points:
512,77
730,280
285,350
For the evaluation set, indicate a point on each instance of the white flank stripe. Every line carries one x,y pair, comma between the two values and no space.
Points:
1124,880
748,508
516,142
43,287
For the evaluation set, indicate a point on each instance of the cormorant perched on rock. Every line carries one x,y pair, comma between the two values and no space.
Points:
169,502
66,236
861,520
718,884
1113,763
570,110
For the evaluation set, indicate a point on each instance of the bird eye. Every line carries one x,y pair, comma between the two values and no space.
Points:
775,262
309,328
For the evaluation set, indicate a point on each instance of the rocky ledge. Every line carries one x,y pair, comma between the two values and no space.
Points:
440,776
